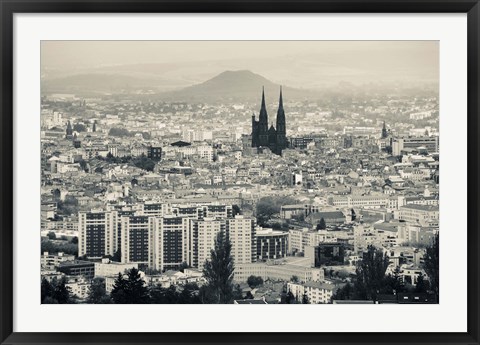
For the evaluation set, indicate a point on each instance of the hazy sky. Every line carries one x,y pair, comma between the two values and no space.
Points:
291,61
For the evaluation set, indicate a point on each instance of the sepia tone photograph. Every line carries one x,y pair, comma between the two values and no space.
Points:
239,172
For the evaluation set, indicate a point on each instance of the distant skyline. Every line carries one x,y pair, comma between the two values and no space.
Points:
308,64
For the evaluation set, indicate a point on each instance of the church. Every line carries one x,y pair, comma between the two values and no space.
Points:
273,138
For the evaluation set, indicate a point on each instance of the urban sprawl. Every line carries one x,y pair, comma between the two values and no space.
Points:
175,202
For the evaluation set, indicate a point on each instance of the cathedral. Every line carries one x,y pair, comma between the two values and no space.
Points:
262,136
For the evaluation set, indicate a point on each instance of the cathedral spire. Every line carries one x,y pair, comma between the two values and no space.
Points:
263,97
280,102
263,112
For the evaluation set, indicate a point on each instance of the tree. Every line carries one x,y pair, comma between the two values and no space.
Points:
119,132
294,279
289,298
47,290
371,273
183,266
75,240
69,206
254,281
137,292
60,292
431,265
393,283
97,293
117,256
218,271
189,294
119,291
422,285
237,292
305,299
51,235
344,293
78,127
144,163
158,294
53,247
268,206
130,290
321,224
236,210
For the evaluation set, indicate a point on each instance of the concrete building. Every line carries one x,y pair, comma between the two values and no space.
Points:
203,235
111,268
52,261
136,232
317,292
170,241
271,244
423,215
96,233
412,143
279,270
241,231
77,268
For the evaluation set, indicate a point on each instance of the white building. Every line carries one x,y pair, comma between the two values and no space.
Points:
110,268
317,292
97,233
241,231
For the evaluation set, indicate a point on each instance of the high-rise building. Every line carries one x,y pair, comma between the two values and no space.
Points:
262,136
96,233
156,209
203,235
171,242
241,232
136,232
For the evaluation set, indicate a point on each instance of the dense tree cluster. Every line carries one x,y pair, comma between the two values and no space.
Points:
119,132
371,279
79,127
59,247
322,225
432,267
97,293
68,206
269,206
254,281
55,292
144,163
130,290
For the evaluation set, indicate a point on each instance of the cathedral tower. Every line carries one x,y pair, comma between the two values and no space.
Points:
263,123
281,125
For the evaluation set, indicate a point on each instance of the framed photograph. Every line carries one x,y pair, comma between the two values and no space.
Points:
239,172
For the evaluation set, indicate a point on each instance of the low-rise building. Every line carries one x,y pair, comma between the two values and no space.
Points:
317,292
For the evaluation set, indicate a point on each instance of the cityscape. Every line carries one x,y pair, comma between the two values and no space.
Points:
307,173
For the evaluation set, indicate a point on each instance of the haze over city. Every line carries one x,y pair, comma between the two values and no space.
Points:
170,65
240,172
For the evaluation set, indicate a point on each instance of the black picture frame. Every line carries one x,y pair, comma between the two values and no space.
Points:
10,7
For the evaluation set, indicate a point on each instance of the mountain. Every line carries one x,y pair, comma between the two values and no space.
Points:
107,83
242,85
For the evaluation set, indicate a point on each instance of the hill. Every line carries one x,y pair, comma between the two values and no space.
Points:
240,85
